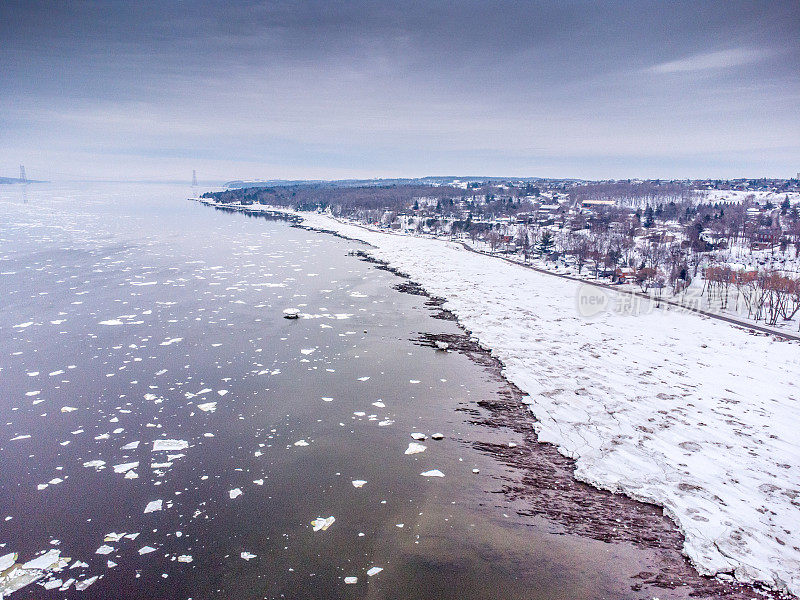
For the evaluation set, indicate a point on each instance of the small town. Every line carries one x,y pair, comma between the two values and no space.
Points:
721,246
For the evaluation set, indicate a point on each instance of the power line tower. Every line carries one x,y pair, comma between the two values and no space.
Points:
22,176
194,178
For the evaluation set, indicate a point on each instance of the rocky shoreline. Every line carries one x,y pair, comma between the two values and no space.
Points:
548,488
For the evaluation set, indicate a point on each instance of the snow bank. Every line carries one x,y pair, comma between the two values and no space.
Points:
690,413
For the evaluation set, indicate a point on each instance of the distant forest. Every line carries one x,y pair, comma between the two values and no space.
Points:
347,199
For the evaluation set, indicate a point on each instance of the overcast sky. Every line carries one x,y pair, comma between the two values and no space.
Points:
338,89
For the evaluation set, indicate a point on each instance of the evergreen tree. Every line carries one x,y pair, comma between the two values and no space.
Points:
648,217
546,243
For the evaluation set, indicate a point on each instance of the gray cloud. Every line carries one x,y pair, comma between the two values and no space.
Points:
322,89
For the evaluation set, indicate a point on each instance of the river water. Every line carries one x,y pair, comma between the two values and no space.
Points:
133,320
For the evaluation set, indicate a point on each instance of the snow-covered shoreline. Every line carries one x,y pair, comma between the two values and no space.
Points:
689,413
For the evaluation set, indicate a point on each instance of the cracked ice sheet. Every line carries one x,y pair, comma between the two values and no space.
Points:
690,413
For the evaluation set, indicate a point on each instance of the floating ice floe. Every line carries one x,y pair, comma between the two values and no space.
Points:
7,561
351,580
415,448
357,483
374,571
171,341
291,313
432,473
112,322
235,493
322,523
14,576
159,445
208,406
301,443
125,467
419,436
82,585
130,446
437,436
379,404
247,555
68,409
153,506
104,549
146,550
185,558
96,464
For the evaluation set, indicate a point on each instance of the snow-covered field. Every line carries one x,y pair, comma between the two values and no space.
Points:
739,196
690,413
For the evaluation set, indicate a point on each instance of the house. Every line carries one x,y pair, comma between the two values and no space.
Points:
625,275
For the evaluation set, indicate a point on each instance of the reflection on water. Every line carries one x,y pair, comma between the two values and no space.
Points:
168,431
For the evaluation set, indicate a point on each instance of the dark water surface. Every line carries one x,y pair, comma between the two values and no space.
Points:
125,309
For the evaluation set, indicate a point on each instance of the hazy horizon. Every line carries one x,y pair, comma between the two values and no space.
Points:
111,90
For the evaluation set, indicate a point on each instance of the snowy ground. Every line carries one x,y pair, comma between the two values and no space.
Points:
739,196
690,413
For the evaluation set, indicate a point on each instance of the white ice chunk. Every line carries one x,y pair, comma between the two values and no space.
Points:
432,473
125,467
415,448
159,445
322,523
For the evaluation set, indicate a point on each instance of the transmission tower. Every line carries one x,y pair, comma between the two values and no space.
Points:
22,176
194,178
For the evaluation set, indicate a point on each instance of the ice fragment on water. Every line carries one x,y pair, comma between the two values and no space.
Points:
125,467
432,473
415,448
159,445
322,523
